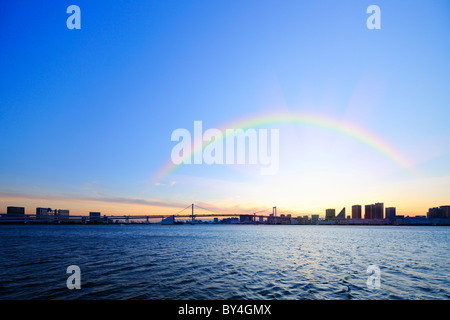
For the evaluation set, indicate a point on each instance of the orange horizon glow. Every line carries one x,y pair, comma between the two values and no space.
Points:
84,206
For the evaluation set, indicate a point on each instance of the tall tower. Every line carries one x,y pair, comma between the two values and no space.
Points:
368,212
390,213
274,211
379,210
356,211
330,214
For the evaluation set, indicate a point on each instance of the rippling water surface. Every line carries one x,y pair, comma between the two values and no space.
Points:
224,261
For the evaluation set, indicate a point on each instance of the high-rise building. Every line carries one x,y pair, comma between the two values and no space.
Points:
341,214
390,213
330,214
446,211
356,211
314,218
441,212
374,211
379,211
368,211
434,213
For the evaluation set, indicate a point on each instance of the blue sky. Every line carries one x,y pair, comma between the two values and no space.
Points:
87,114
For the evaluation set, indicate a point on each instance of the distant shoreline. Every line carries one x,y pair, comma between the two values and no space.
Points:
219,224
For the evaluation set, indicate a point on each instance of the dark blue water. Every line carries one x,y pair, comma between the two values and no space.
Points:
224,262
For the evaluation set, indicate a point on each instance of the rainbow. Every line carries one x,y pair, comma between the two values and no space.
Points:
306,119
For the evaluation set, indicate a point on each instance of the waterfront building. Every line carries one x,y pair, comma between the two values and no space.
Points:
43,212
379,212
390,213
356,211
439,212
284,219
368,211
330,214
94,216
168,220
374,211
434,213
15,211
446,211
273,219
341,215
230,220
246,218
61,212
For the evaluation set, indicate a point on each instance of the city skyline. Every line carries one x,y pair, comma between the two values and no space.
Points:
371,211
87,115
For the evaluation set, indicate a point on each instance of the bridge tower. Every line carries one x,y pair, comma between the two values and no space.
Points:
274,211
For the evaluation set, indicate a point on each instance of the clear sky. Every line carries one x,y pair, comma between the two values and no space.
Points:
86,116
